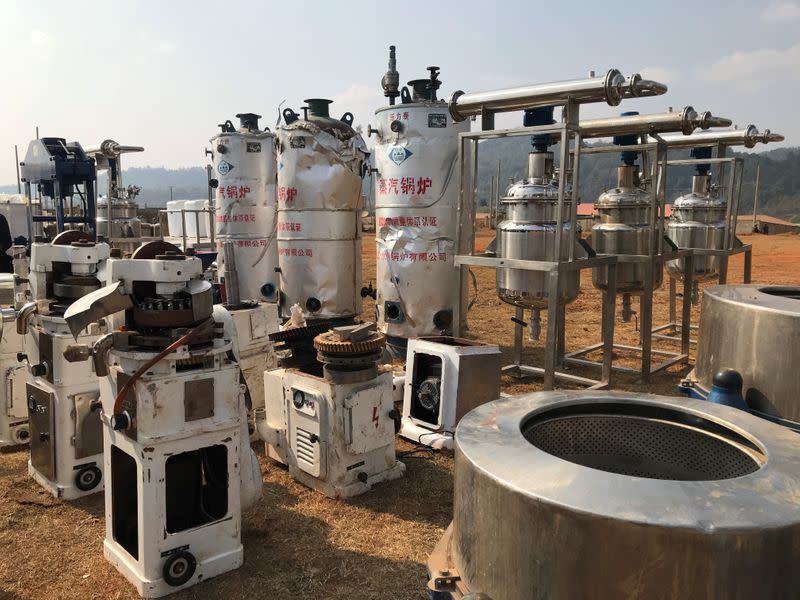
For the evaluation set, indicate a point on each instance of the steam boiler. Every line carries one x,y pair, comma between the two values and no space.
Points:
178,461
321,162
245,204
564,495
63,400
416,192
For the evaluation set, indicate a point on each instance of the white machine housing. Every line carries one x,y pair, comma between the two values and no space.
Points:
13,400
181,475
336,438
62,397
446,377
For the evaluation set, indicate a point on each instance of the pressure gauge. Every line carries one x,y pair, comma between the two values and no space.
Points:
298,399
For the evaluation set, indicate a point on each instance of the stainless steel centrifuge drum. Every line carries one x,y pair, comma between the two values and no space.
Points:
564,495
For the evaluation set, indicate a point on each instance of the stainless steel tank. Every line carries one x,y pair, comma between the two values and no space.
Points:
321,162
754,329
245,204
698,221
416,198
625,216
126,227
529,233
564,495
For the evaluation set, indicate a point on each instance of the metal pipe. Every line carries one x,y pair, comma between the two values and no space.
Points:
24,316
684,122
636,87
747,137
16,160
610,89
755,194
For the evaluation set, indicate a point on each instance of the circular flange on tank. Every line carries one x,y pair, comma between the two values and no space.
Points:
565,495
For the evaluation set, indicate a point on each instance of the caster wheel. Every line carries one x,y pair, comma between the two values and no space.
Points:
88,478
179,568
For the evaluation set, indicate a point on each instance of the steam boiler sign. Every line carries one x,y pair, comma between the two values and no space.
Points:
224,167
399,154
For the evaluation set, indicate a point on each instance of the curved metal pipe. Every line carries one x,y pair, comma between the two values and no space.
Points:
685,121
610,89
100,351
24,316
747,137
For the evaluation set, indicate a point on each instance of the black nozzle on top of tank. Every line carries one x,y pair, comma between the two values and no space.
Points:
248,121
390,82
317,107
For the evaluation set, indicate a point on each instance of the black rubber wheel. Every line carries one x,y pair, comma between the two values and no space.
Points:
88,478
179,568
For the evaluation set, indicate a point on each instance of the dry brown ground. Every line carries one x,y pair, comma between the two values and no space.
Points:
298,543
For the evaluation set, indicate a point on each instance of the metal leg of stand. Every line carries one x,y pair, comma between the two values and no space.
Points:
686,313
748,265
520,316
646,326
550,350
723,270
562,324
673,316
607,326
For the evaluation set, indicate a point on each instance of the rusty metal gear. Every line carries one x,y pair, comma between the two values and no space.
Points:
155,248
70,236
329,343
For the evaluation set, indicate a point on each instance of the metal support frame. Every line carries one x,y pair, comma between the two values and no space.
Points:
198,243
673,330
654,260
568,132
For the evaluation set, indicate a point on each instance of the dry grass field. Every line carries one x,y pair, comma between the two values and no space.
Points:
299,544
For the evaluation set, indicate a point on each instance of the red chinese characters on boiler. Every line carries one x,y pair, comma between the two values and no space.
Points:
287,194
404,186
305,252
238,192
412,256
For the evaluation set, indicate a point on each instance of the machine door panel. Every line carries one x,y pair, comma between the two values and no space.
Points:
16,405
88,439
41,414
306,415
366,427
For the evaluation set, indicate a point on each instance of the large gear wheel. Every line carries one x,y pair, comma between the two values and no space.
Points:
329,343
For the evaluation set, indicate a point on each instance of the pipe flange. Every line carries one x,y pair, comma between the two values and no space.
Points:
452,106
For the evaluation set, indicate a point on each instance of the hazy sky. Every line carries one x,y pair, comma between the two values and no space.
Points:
163,74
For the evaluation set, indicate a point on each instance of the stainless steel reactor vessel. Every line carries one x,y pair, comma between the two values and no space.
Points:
416,198
321,162
529,230
564,495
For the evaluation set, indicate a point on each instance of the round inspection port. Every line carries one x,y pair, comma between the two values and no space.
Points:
392,311
643,441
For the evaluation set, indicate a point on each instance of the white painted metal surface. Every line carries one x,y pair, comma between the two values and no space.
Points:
336,438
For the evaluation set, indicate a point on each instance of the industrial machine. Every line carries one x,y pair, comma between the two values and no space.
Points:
754,330
13,399
416,197
321,162
117,213
705,219
539,252
59,170
63,400
246,223
630,226
529,232
331,418
245,204
564,495
178,461
446,378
